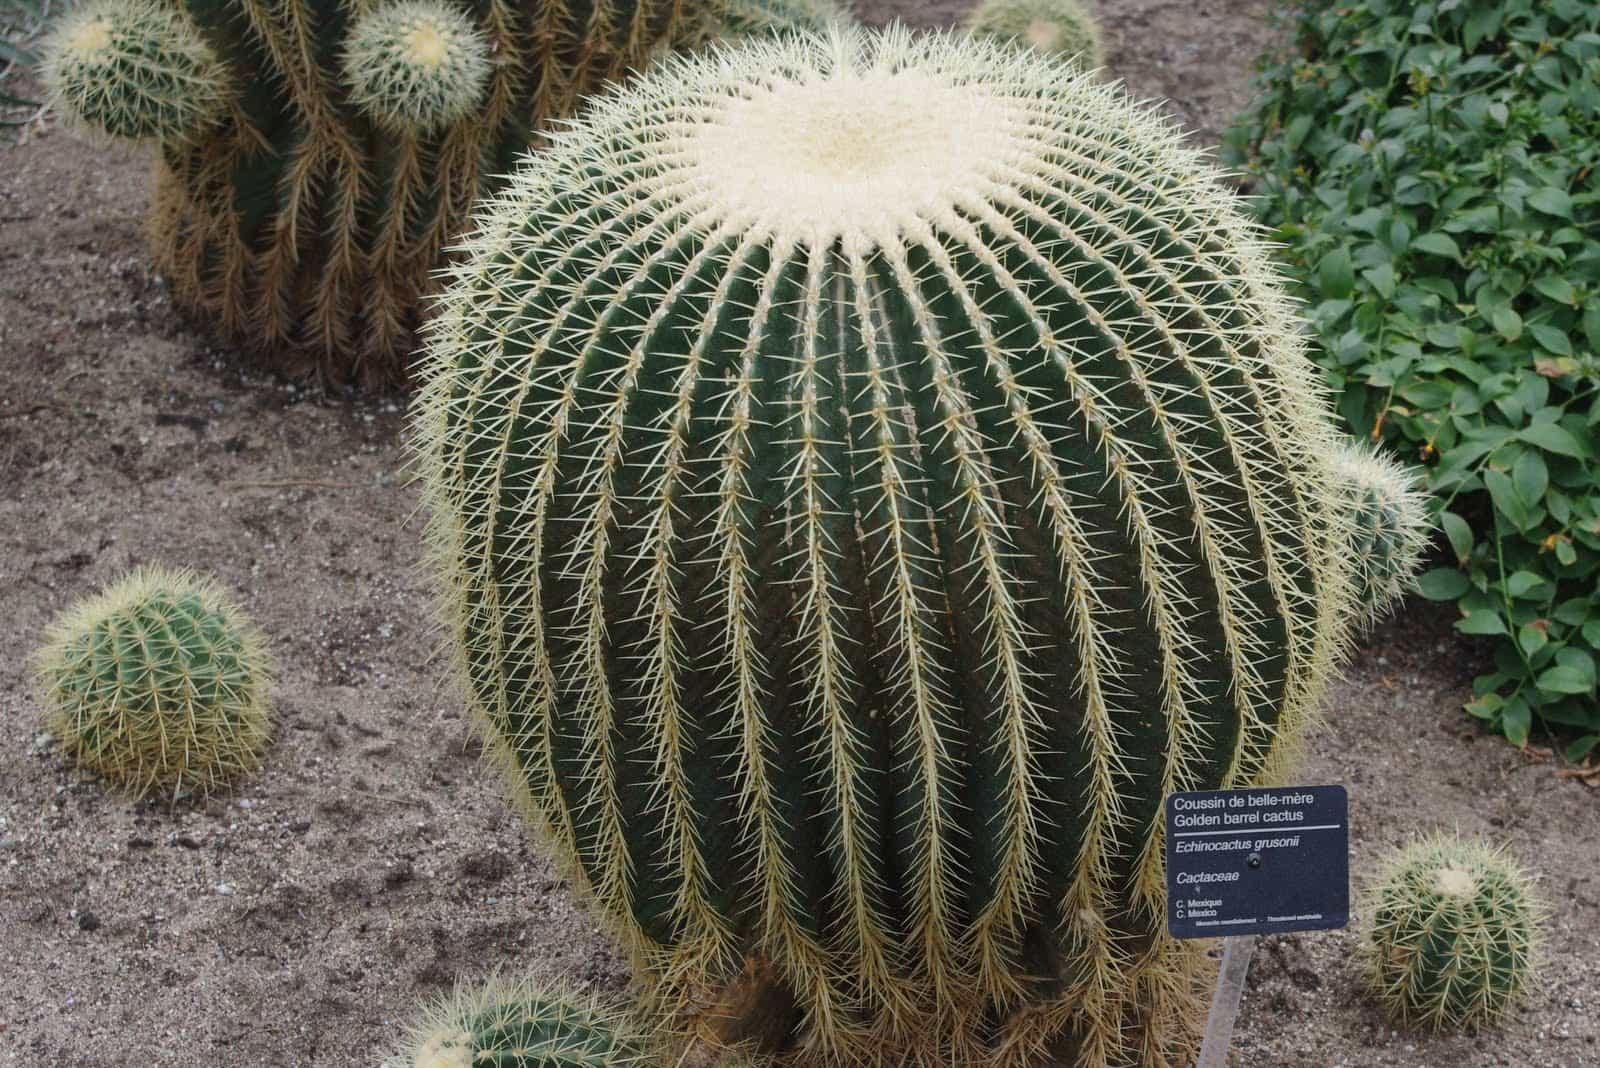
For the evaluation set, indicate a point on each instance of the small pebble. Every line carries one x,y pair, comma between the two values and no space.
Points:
224,889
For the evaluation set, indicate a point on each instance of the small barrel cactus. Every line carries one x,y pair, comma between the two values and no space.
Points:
157,682
1058,27
1453,927
353,142
1391,526
520,1025
870,472
138,69
741,18
416,65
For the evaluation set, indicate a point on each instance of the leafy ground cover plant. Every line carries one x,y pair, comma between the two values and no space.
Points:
1430,169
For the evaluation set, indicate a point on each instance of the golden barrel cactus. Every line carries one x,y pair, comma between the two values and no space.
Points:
869,473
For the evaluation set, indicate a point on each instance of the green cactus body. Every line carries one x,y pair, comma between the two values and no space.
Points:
1453,927
157,682
506,1025
1390,530
871,472
310,220
1057,27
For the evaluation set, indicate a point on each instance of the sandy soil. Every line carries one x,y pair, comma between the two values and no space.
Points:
295,920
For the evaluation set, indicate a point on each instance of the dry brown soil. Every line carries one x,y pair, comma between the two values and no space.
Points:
298,918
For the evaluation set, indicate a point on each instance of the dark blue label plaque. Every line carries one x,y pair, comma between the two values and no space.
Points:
1259,861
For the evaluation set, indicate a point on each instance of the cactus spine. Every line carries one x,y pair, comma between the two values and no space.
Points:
520,1025
309,220
1058,27
157,681
1453,929
869,473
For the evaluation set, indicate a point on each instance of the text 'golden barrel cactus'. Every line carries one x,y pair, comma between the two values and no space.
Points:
870,473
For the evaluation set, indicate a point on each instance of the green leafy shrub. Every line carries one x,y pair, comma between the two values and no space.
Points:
1430,168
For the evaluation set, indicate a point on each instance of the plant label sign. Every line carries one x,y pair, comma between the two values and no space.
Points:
1257,861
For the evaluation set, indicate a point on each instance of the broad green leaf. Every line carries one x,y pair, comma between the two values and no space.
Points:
1557,289
1551,201
1551,437
1532,638
1443,584
1572,611
1530,477
1335,277
1524,584
1515,719
1437,245
1563,679
1481,622
1460,535
1581,747
1504,494
1552,339
1507,323
1381,278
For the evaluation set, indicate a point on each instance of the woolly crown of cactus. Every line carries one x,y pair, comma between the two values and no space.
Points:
416,65
158,681
870,472
136,69
1058,27
520,1024
1453,933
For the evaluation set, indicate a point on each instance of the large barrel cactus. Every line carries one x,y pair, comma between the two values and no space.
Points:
315,156
870,472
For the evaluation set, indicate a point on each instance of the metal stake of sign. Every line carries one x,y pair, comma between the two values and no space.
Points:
1225,1001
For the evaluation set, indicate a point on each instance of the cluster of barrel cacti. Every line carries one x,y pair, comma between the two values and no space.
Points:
316,157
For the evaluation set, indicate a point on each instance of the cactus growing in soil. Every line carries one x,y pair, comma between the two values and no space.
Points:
136,69
1391,526
520,1025
869,473
1059,27
1453,927
315,156
158,681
